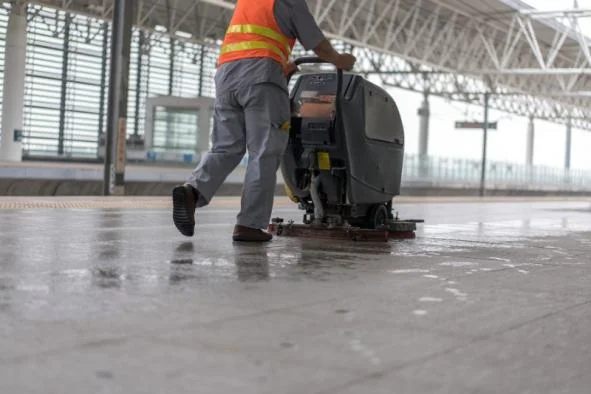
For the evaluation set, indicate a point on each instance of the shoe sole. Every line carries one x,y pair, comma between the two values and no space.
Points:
183,222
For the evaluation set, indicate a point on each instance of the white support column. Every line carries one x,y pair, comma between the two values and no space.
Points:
530,142
569,136
424,116
15,57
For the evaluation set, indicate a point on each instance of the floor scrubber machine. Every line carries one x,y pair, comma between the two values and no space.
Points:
343,162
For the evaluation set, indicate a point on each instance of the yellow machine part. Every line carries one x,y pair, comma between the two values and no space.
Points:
323,161
290,194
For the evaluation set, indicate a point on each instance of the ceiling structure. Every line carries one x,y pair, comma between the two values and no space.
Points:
535,63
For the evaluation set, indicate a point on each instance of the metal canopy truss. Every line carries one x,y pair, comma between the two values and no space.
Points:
503,46
538,63
538,100
204,21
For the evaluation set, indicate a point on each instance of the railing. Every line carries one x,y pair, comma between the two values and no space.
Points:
450,171
433,172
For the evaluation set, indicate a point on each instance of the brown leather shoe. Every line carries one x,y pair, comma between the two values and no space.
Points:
247,234
183,208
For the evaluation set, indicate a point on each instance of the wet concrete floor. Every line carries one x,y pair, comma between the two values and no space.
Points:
489,298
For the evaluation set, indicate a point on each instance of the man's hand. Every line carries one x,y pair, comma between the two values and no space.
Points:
345,61
291,68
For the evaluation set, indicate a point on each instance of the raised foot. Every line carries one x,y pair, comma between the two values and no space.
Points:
183,209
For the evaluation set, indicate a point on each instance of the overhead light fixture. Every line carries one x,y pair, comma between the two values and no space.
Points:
99,9
183,34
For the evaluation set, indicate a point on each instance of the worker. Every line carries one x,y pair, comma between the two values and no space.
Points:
252,110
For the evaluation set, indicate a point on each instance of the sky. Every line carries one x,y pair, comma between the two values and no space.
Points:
508,142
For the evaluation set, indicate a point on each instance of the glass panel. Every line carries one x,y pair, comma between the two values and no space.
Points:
175,129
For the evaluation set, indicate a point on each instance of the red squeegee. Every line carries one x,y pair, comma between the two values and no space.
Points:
396,230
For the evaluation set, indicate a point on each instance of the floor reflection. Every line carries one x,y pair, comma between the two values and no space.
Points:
109,241
181,266
106,271
252,263
181,252
305,260
107,276
7,287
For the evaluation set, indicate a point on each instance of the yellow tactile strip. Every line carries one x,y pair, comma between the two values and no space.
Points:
28,203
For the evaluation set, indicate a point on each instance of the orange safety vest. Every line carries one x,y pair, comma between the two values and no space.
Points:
254,33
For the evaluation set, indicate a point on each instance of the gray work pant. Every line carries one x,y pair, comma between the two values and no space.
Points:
248,118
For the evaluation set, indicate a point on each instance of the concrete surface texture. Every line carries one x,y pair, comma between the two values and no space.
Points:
106,297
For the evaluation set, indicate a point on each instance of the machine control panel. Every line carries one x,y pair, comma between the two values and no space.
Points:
313,102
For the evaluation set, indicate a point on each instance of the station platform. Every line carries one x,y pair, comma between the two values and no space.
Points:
103,295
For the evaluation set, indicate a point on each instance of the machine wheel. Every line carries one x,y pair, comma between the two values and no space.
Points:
378,216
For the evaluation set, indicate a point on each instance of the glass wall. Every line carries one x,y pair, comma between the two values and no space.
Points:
67,74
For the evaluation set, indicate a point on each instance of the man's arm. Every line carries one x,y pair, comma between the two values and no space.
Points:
326,52
303,26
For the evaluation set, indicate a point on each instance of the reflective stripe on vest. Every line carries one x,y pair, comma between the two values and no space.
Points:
261,31
247,45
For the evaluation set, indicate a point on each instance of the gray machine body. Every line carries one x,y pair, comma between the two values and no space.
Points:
364,141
